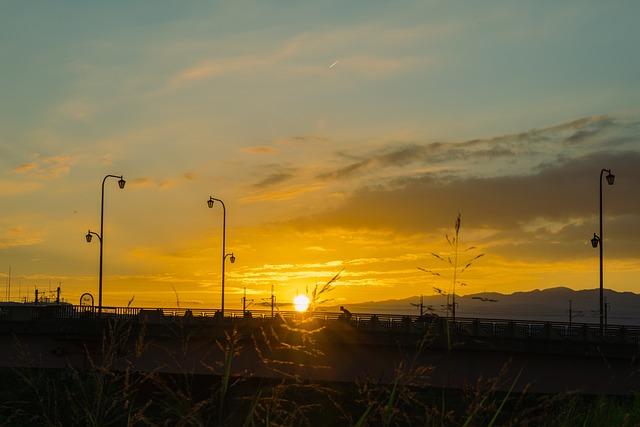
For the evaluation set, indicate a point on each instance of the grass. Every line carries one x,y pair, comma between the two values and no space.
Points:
290,402
108,391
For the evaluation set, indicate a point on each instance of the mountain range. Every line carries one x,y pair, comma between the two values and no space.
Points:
554,304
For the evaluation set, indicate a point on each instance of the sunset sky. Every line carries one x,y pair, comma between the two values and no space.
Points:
343,137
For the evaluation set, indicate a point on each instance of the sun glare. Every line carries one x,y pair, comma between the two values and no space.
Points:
301,303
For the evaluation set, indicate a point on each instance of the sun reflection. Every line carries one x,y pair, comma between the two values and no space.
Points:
301,303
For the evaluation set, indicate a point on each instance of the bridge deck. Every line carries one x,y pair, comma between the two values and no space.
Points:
475,327
548,356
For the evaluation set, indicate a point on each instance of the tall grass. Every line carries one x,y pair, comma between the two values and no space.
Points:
109,391
457,267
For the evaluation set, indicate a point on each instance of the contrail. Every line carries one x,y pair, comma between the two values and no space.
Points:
331,66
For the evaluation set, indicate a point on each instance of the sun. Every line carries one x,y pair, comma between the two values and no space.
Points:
301,303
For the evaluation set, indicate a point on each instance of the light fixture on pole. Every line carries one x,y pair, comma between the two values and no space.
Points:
596,241
90,234
232,258
121,183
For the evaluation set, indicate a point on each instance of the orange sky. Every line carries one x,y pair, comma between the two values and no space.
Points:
340,143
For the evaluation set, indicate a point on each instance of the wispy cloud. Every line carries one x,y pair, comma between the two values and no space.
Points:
163,183
309,138
16,235
8,188
276,178
261,149
282,194
26,167
513,154
364,50
47,167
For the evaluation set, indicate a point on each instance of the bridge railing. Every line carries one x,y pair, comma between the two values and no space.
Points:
497,328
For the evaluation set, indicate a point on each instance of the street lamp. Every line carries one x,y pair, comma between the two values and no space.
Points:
121,183
598,240
232,258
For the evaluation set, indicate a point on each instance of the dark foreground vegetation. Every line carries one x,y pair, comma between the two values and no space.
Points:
65,398
108,393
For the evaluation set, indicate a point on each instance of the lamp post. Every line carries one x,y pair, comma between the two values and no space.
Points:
121,183
598,240
232,258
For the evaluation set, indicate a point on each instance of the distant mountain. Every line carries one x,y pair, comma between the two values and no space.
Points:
554,304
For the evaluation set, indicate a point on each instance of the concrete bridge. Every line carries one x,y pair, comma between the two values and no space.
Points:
424,351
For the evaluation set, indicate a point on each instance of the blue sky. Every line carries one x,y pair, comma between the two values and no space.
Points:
342,137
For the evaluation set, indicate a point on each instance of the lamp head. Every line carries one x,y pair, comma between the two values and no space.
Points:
210,202
121,182
88,236
595,240
610,178
232,259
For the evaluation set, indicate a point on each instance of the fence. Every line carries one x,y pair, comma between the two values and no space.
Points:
475,327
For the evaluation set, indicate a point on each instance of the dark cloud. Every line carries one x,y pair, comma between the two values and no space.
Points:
310,138
533,194
589,129
429,154
530,143
347,171
565,190
516,154
563,198
276,177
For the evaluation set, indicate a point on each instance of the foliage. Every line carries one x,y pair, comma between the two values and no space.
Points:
105,395
319,295
455,264
108,391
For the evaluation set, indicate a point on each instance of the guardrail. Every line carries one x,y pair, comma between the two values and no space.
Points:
475,327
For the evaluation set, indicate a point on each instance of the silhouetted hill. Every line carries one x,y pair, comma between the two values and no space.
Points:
623,308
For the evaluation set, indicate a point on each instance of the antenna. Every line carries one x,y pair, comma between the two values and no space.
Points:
9,286
272,302
244,302
421,305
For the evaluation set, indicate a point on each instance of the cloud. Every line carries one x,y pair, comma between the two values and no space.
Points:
162,183
310,138
262,149
282,194
276,178
8,188
528,195
14,236
223,66
545,214
141,182
26,167
512,154
428,154
47,167
365,50
376,66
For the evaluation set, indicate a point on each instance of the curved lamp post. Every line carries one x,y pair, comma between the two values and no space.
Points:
232,258
121,183
597,240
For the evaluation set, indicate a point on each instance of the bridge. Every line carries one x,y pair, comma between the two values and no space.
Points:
545,357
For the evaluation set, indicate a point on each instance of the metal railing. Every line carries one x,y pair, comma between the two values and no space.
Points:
474,327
